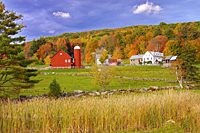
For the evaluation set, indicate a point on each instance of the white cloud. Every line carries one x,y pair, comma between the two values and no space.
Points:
61,14
52,31
147,8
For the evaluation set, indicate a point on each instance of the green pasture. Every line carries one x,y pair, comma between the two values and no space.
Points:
156,72
39,66
70,83
126,61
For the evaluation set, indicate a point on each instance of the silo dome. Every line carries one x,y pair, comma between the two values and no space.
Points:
77,47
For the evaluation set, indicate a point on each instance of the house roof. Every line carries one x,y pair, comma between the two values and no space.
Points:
112,60
136,57
168,57
155,53
174,58
58,52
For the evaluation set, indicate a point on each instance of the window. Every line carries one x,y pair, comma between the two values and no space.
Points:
65,61
147,58
69,60
60,53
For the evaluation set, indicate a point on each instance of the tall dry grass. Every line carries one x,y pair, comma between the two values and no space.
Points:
112,114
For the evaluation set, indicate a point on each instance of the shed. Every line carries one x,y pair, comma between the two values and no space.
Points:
136,59
166,59
173,58
115,62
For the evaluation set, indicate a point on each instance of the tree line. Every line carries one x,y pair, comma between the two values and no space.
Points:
121,43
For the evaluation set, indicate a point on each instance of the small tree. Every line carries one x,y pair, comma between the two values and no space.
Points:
102,75
103,56
55,88
177,67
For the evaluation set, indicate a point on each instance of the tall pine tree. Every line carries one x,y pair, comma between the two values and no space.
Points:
12,58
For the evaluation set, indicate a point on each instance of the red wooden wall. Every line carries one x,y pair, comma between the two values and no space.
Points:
61,59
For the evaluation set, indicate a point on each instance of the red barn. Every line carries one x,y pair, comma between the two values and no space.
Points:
61,60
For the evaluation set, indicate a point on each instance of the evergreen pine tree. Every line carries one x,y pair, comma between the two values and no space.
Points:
55,89
12,57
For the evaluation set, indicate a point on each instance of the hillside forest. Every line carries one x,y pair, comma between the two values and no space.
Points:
120,43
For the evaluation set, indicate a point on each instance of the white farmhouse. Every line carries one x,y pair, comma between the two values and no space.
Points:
152,56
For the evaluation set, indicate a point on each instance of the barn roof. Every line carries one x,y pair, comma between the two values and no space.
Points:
58,52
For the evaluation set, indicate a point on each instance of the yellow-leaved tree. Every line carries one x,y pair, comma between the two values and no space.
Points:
102,75
36,58
172,47
103,56
47,60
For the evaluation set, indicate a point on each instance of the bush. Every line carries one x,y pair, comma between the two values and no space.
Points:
144,62
140,63
161,63
149,62
55,89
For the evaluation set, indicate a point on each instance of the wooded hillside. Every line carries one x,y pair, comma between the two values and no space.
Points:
120,43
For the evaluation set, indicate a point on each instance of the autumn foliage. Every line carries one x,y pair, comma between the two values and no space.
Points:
121,42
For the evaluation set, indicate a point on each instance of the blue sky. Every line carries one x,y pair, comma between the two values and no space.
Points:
54,17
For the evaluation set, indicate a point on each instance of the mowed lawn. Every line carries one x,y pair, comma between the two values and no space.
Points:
70,83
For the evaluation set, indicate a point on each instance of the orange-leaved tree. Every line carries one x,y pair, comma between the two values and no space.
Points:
158,41
88,58
117,53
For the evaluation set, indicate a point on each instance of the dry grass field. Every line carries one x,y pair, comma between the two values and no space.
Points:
117,113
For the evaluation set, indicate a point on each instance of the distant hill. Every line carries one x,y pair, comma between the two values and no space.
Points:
121,42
